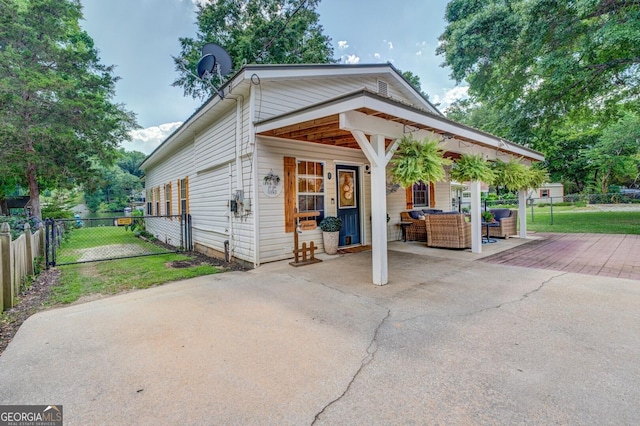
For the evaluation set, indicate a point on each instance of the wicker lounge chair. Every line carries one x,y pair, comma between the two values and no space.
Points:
417,231
448,231
507,219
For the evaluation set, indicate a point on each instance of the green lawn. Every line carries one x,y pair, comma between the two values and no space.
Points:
572,220
115,276
77,241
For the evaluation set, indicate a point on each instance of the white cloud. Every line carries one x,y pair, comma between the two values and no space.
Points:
376,55
419,52
146,140
450,96
390,45
342,44
351,59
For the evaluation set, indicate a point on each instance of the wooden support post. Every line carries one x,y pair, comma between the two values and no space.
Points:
29,246
308,253
5,268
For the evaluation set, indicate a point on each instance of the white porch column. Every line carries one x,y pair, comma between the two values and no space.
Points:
522,212
476,226
379,214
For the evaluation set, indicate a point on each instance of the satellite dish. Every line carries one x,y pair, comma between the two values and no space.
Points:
206,65
221,58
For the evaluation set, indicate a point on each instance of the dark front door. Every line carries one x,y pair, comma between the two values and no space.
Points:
348,186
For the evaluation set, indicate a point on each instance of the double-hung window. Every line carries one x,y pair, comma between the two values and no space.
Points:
420,194
311,187
167,199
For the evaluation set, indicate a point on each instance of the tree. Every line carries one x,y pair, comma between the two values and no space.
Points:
614,158
115,186
58,118
414,80
253,31
546,60
130,160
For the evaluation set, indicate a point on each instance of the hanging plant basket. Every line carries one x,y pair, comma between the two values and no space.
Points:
417,161
470,168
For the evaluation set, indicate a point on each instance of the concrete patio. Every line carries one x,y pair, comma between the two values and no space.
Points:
451,340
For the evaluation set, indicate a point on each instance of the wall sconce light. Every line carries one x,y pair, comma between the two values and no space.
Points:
329,175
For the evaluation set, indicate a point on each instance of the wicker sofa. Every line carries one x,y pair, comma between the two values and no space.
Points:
508,220
448,230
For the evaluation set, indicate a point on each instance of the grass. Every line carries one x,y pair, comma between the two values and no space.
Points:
574,220
81,239
116,276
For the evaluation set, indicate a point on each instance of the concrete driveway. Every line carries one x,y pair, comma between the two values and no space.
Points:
448,341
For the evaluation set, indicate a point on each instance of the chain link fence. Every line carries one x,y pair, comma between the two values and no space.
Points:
80,240
627,200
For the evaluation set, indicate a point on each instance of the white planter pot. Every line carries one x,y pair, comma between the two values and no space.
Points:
330,241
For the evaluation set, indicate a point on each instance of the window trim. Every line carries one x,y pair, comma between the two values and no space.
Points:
323,194
167,198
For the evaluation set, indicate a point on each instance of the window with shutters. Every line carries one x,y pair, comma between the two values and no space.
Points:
149,200
183,185
157,200
420,194
310,185
167,199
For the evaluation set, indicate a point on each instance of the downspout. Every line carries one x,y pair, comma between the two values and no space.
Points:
230,240
238,162
239,105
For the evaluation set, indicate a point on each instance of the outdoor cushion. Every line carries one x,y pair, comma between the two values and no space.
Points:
415,214
499,214
431,211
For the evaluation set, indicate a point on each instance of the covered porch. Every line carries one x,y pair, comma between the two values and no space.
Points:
374,124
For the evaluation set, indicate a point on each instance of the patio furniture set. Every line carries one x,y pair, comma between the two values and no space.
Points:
453,229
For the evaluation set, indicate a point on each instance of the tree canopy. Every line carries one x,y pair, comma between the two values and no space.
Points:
58,116
543,58
553,75
253,31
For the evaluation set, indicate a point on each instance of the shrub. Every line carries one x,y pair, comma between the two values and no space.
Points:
331,224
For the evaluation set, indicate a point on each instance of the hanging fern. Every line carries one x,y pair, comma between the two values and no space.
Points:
512,175
469,168
536,177
417,161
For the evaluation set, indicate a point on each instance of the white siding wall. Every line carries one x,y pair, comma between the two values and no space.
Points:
443,196
177,166
216,179
275,243
396,203
278,97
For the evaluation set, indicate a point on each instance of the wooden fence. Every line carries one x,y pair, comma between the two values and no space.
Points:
17,261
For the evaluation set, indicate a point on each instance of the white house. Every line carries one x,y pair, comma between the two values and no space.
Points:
311,137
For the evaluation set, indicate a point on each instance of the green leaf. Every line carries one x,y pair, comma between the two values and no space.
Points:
416,161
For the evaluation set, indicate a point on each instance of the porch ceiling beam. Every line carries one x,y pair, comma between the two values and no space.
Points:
353,120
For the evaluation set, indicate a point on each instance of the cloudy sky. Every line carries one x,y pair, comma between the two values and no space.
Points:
139,37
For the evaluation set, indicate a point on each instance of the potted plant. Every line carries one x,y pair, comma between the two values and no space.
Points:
487,216
330,227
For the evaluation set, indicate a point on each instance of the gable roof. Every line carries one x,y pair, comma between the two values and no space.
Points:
240,82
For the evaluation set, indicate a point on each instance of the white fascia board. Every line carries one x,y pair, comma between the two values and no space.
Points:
281,72
310,114
448,126
186,130
392,130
